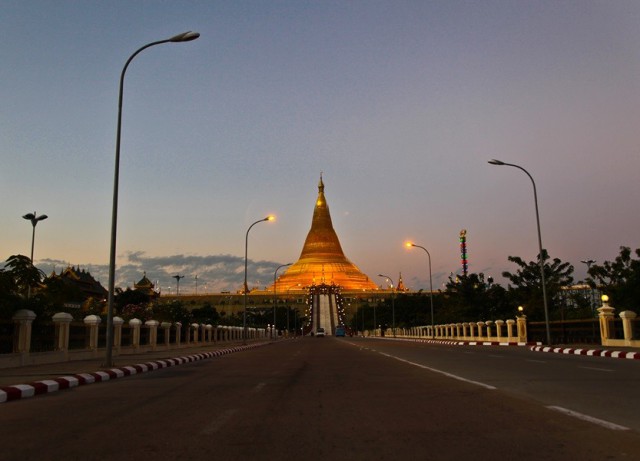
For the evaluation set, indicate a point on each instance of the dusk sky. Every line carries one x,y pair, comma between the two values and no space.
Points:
399,103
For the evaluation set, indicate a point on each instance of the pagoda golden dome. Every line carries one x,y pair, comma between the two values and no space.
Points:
322,260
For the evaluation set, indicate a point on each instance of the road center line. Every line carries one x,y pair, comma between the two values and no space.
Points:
218,422
597,369
591,419
459,378
258,387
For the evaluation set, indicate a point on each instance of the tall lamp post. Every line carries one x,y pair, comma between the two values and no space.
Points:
245,288
178,277
393,306
409,245
184,37
275,297
34,218
589,262
540,255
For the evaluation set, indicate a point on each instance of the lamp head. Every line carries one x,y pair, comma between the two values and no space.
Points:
270,218
604,298
185,37
496,162
520,309
409,244
33,218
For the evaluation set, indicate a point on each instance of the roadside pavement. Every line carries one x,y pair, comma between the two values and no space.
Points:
27,381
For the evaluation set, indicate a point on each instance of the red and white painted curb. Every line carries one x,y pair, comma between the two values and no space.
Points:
22,391
453,342
588,352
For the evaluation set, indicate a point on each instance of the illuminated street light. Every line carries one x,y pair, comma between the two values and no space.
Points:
184,37
540,256
393,306
409,245
275,298
245,288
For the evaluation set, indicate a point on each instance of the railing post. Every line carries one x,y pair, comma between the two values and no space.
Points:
522,328
62,321
166,328
499,324
23,318
134,324
605,315
480,334
488,323
92,322
510,324
117,334
178,326
153,333
195,327
627,317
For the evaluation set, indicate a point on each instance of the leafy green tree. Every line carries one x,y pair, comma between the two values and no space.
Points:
525,286
472,298
619,279
23,274
172,311
15,279
206,314
130,297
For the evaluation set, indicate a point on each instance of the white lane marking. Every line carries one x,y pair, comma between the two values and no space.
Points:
258,387
597,369
536,361
496,356
591,419
219,421
459,378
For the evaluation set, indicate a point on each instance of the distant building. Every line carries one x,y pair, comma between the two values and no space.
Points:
81,284
146,286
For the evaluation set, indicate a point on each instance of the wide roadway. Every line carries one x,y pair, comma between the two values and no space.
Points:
351,398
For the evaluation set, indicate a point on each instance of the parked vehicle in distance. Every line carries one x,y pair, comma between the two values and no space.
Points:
320,332
340,331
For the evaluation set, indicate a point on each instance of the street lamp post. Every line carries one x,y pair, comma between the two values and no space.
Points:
34,218
184,37
275,297
393,307
540,256
409,245
245,288
178,277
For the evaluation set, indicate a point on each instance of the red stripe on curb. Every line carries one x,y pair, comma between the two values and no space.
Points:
589,352
20,391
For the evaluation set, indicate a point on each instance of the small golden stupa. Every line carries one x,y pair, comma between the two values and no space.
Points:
322,260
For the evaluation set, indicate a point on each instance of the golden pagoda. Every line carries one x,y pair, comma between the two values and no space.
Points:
322,260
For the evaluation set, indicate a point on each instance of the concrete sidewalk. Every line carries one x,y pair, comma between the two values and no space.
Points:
26,381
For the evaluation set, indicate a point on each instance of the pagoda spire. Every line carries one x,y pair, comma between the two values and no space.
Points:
323,253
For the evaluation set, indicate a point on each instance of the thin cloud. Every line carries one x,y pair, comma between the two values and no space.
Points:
215,273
